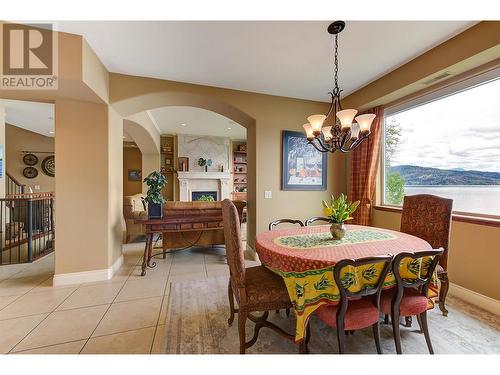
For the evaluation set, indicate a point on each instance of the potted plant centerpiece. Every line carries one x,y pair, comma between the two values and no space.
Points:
154,198
339,211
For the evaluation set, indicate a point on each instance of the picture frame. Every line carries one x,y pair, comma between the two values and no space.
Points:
303,167
134,175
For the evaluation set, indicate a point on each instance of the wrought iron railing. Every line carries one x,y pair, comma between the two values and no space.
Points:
27,227
14,187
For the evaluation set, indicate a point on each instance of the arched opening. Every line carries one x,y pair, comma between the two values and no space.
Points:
152,102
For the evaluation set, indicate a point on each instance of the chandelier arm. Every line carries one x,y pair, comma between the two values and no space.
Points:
322,149
331,104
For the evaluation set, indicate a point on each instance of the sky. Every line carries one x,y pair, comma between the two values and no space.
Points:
458,131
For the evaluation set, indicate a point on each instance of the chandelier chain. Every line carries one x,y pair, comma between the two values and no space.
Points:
336,62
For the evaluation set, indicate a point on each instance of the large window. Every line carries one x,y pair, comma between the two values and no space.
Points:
447,144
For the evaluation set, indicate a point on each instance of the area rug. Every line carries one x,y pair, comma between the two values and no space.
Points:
197,313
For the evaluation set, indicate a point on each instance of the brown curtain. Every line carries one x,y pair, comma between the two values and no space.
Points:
364,164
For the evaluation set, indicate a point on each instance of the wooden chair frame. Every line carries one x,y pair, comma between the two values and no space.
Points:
311,220
345,295
237,284
422,283
274,223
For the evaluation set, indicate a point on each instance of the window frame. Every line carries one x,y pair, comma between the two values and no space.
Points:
426,97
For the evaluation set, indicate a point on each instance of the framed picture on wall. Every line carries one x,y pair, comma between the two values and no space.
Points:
134,175
303,167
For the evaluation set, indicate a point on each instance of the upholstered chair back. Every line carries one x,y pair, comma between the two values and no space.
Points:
428,217
234,246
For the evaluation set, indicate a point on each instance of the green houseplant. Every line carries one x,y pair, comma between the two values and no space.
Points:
154,198
339,211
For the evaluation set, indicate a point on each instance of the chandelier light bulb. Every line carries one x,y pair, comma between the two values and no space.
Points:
355,131
309,131
327,133
365,122
316,122
346,116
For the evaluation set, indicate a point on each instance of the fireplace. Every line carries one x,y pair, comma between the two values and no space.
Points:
216,184
203,195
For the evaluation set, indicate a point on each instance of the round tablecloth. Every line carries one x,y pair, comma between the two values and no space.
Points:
305,258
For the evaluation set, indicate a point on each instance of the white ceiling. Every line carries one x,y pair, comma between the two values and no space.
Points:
32,116
287,58
197,121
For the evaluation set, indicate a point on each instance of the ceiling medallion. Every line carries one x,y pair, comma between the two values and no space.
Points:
343,135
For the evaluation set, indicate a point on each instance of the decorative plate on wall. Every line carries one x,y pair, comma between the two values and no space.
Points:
30,172
30,159
49,166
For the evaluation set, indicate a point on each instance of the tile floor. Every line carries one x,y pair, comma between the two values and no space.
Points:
122,315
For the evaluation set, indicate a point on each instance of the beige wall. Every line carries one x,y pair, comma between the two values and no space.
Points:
132,159
265,117
470,243
2,152
115,185
17,140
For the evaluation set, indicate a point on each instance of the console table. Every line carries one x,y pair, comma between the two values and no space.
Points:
174,225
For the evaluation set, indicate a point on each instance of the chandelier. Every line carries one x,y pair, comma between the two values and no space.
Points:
344,135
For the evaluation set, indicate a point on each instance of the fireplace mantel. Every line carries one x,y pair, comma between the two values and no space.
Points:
200,181
203,175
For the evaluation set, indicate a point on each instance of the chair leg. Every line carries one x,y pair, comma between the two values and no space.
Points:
408,321
303,346
425,328
419,320
395,331
376,336
341,339
443,292
231,303
242,319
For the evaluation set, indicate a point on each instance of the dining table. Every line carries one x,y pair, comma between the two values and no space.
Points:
305,257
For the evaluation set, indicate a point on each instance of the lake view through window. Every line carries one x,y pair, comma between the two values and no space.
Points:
448,147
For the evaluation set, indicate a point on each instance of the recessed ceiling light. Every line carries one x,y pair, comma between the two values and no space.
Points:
51,132
183,124
228,128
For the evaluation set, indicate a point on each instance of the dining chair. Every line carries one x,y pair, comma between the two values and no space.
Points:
312,220
356,309
256,289
429,217
275,223
409,297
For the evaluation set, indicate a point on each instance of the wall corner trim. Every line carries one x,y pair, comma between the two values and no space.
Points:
474,298
87,276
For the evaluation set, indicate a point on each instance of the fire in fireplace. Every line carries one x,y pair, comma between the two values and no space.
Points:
208,196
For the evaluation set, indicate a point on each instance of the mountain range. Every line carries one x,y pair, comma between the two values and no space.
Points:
414,175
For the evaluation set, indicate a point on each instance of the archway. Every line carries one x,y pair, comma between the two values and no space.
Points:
139,104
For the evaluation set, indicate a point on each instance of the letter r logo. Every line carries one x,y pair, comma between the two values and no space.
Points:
27,49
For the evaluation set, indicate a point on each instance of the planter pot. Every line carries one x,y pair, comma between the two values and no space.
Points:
338,231
155,210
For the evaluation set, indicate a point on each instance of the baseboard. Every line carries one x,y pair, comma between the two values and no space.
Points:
474,298
250,253
87,276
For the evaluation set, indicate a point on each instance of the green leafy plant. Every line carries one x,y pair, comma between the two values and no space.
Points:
339,210
206,198
155,181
